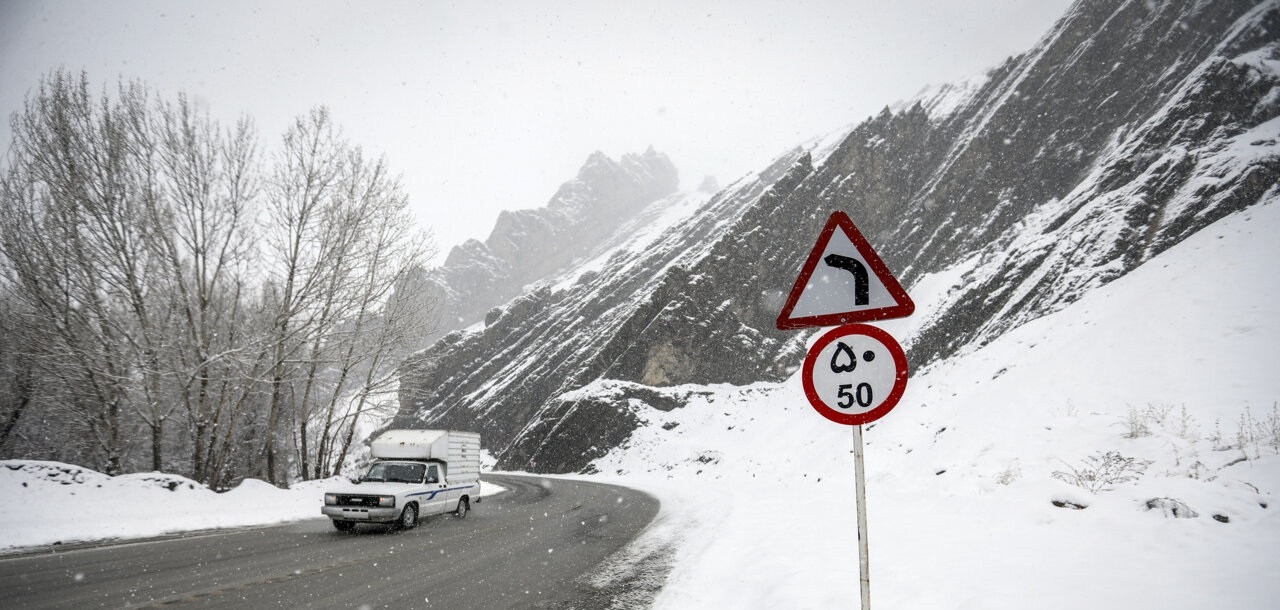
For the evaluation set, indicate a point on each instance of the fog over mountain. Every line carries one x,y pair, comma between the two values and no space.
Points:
1125,130
529,245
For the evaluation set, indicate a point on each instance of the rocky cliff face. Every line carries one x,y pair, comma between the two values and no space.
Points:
527,245
580,326
1092,154
1127,128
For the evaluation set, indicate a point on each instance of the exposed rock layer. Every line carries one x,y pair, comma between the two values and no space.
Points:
1125,130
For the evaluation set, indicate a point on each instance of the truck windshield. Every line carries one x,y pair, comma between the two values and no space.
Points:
396,473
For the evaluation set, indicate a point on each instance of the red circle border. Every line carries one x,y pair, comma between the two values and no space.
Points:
899,382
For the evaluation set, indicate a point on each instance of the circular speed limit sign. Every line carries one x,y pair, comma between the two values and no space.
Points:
855,374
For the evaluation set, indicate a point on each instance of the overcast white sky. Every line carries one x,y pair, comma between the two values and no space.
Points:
484,106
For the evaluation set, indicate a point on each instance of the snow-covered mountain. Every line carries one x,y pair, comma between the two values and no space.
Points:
528,245
1128,128
575,327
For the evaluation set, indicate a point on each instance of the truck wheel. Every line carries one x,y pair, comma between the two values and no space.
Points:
464,505
344,526
408,518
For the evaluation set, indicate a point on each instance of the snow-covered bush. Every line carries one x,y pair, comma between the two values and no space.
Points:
1102,471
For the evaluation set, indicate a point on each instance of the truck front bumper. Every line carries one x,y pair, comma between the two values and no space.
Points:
361,513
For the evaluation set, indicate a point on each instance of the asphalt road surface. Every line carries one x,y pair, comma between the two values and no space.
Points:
526,548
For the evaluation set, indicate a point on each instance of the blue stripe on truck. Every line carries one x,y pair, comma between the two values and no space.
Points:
438,491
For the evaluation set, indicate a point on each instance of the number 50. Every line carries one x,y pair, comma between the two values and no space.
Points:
861,395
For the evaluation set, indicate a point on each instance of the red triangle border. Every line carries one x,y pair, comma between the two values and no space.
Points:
902,308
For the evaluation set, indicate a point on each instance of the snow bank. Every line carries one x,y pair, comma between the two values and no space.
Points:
1121,453
53,503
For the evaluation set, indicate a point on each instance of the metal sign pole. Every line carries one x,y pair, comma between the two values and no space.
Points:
838,391
860,493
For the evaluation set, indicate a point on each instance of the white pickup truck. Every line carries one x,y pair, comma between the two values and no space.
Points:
417,473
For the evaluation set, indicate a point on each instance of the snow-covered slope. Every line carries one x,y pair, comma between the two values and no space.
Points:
1128,128
1126,158
976,478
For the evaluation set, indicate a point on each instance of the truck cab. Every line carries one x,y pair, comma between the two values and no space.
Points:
411,479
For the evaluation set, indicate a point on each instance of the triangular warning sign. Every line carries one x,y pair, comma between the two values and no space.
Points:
842,282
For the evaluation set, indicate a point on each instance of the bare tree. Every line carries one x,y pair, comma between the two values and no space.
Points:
363,352
17,370
401,322
127,225
160,274
300,248
340,239
201,229
73,240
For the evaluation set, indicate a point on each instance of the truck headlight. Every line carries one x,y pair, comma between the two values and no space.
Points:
331,499
387,501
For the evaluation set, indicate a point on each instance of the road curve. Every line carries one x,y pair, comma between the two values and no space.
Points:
525,548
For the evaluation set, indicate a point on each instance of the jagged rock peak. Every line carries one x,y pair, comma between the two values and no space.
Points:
526,246
633,179
709,184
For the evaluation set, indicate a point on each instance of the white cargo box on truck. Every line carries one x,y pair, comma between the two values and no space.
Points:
416,473
461,450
